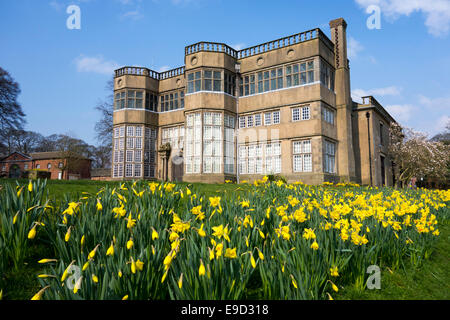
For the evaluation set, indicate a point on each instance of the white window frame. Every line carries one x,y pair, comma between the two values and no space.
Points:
301,150
276,115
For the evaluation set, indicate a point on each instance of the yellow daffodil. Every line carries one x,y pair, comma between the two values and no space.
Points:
47,260
180,281
92,253
294,283
38,296
252,261
32,233
130,244
334,272
260,254
19,192
110,250
67,236
230,253
139,265
201,269
154,234
66,272
201,232
15,218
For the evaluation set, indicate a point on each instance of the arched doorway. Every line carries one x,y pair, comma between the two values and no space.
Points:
14,172
177,162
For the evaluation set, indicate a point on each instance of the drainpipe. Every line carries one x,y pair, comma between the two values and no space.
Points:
370,153
237,67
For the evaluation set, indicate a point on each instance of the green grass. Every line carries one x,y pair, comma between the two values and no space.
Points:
74,188
429,281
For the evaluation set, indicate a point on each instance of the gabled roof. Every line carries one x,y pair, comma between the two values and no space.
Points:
101,172
369,102
15,152
50,155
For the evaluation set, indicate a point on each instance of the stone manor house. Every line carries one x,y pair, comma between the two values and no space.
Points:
283,107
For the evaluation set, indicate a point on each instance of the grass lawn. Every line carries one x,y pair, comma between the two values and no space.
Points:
429,281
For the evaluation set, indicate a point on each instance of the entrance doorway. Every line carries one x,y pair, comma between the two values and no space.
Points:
177,162
383,171
14,172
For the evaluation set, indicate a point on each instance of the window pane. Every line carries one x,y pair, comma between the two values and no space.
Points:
310,76
303,78
207,74
207,85
217,85
288,70
288,81
280,83
197,85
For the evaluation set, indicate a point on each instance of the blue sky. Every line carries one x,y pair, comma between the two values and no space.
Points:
63,73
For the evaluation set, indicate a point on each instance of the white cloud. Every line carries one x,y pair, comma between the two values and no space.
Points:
442,123
163,68
238,46
400,112
437,12
357,94
58,6
181,2
441,103
95,65
133,15
353,47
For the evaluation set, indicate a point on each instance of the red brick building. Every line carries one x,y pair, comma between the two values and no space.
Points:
16,164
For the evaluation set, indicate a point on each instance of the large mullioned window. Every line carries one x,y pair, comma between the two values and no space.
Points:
229,125
278,78
329,157
137,157
193,142
172,101
212,142
260,158
302,156
211,80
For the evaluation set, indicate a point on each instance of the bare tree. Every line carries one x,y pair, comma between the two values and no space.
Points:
72,151
25,141
11,113
104,125
415,155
